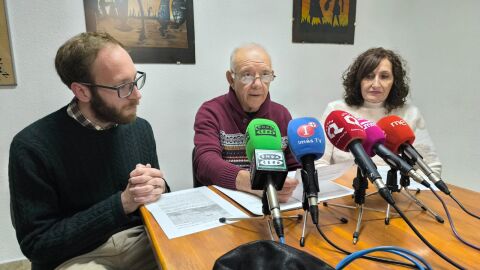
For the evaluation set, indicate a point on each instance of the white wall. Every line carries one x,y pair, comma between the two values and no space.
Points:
438,38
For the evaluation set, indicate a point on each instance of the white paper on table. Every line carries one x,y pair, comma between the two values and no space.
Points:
189,211
383,170
254,204
328,189
332,172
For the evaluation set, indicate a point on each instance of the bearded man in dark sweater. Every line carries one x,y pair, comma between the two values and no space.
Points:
78,176
220,123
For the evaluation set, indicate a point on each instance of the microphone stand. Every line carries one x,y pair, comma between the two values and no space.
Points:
269,201
267,173
271,207
305,210
360,184
312,209
392,185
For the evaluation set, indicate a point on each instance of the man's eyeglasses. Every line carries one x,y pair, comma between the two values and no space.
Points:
248,78
125,89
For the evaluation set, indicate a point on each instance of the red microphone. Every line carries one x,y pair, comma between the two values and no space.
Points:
399,139
375,144
397,132
345,133
343,128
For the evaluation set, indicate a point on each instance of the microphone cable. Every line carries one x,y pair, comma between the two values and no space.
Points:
371,258
425,241
452,225
463,207
407,254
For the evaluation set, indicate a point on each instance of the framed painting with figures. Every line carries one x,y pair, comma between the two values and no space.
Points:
154,31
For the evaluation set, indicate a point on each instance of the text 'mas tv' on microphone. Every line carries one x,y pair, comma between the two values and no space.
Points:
374,145
399,139
345,133
268,170
307,143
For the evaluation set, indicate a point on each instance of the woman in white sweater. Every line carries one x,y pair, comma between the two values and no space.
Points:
376,85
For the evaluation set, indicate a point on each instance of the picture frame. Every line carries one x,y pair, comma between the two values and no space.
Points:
153,31
324,21
7,71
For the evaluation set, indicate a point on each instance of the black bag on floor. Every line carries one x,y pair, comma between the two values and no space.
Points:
265,254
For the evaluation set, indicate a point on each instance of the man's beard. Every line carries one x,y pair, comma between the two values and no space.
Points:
106,113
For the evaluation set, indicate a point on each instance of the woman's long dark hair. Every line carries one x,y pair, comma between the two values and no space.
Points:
366,63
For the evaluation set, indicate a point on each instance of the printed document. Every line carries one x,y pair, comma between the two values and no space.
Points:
328,189
189,211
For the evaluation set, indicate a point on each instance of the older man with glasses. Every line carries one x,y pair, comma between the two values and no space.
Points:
220,123
78,176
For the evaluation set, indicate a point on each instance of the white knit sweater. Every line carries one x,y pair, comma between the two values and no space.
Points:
374,112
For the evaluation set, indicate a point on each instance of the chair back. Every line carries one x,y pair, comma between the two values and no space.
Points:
196,182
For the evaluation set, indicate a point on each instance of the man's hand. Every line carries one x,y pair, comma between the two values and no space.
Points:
287,190
145,185
243,184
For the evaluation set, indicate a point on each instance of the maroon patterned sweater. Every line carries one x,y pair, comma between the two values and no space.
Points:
220,126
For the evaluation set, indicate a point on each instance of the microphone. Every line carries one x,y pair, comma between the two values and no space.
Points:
268,170
399,139
345,132
374,145
307,143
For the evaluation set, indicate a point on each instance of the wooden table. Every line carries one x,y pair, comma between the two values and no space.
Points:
200,250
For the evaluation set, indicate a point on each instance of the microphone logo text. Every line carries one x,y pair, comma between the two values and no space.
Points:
351,120
270,159
398,123
307,130
367,124
333,130
265,130
309,141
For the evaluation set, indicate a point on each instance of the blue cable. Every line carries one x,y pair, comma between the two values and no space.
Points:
346,261
392,249
406,251
409,258
396,250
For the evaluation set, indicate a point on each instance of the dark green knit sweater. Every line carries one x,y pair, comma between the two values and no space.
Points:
66,181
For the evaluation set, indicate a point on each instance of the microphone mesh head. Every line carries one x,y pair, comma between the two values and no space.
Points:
305,137
262,134
397,132
342,128
374,135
